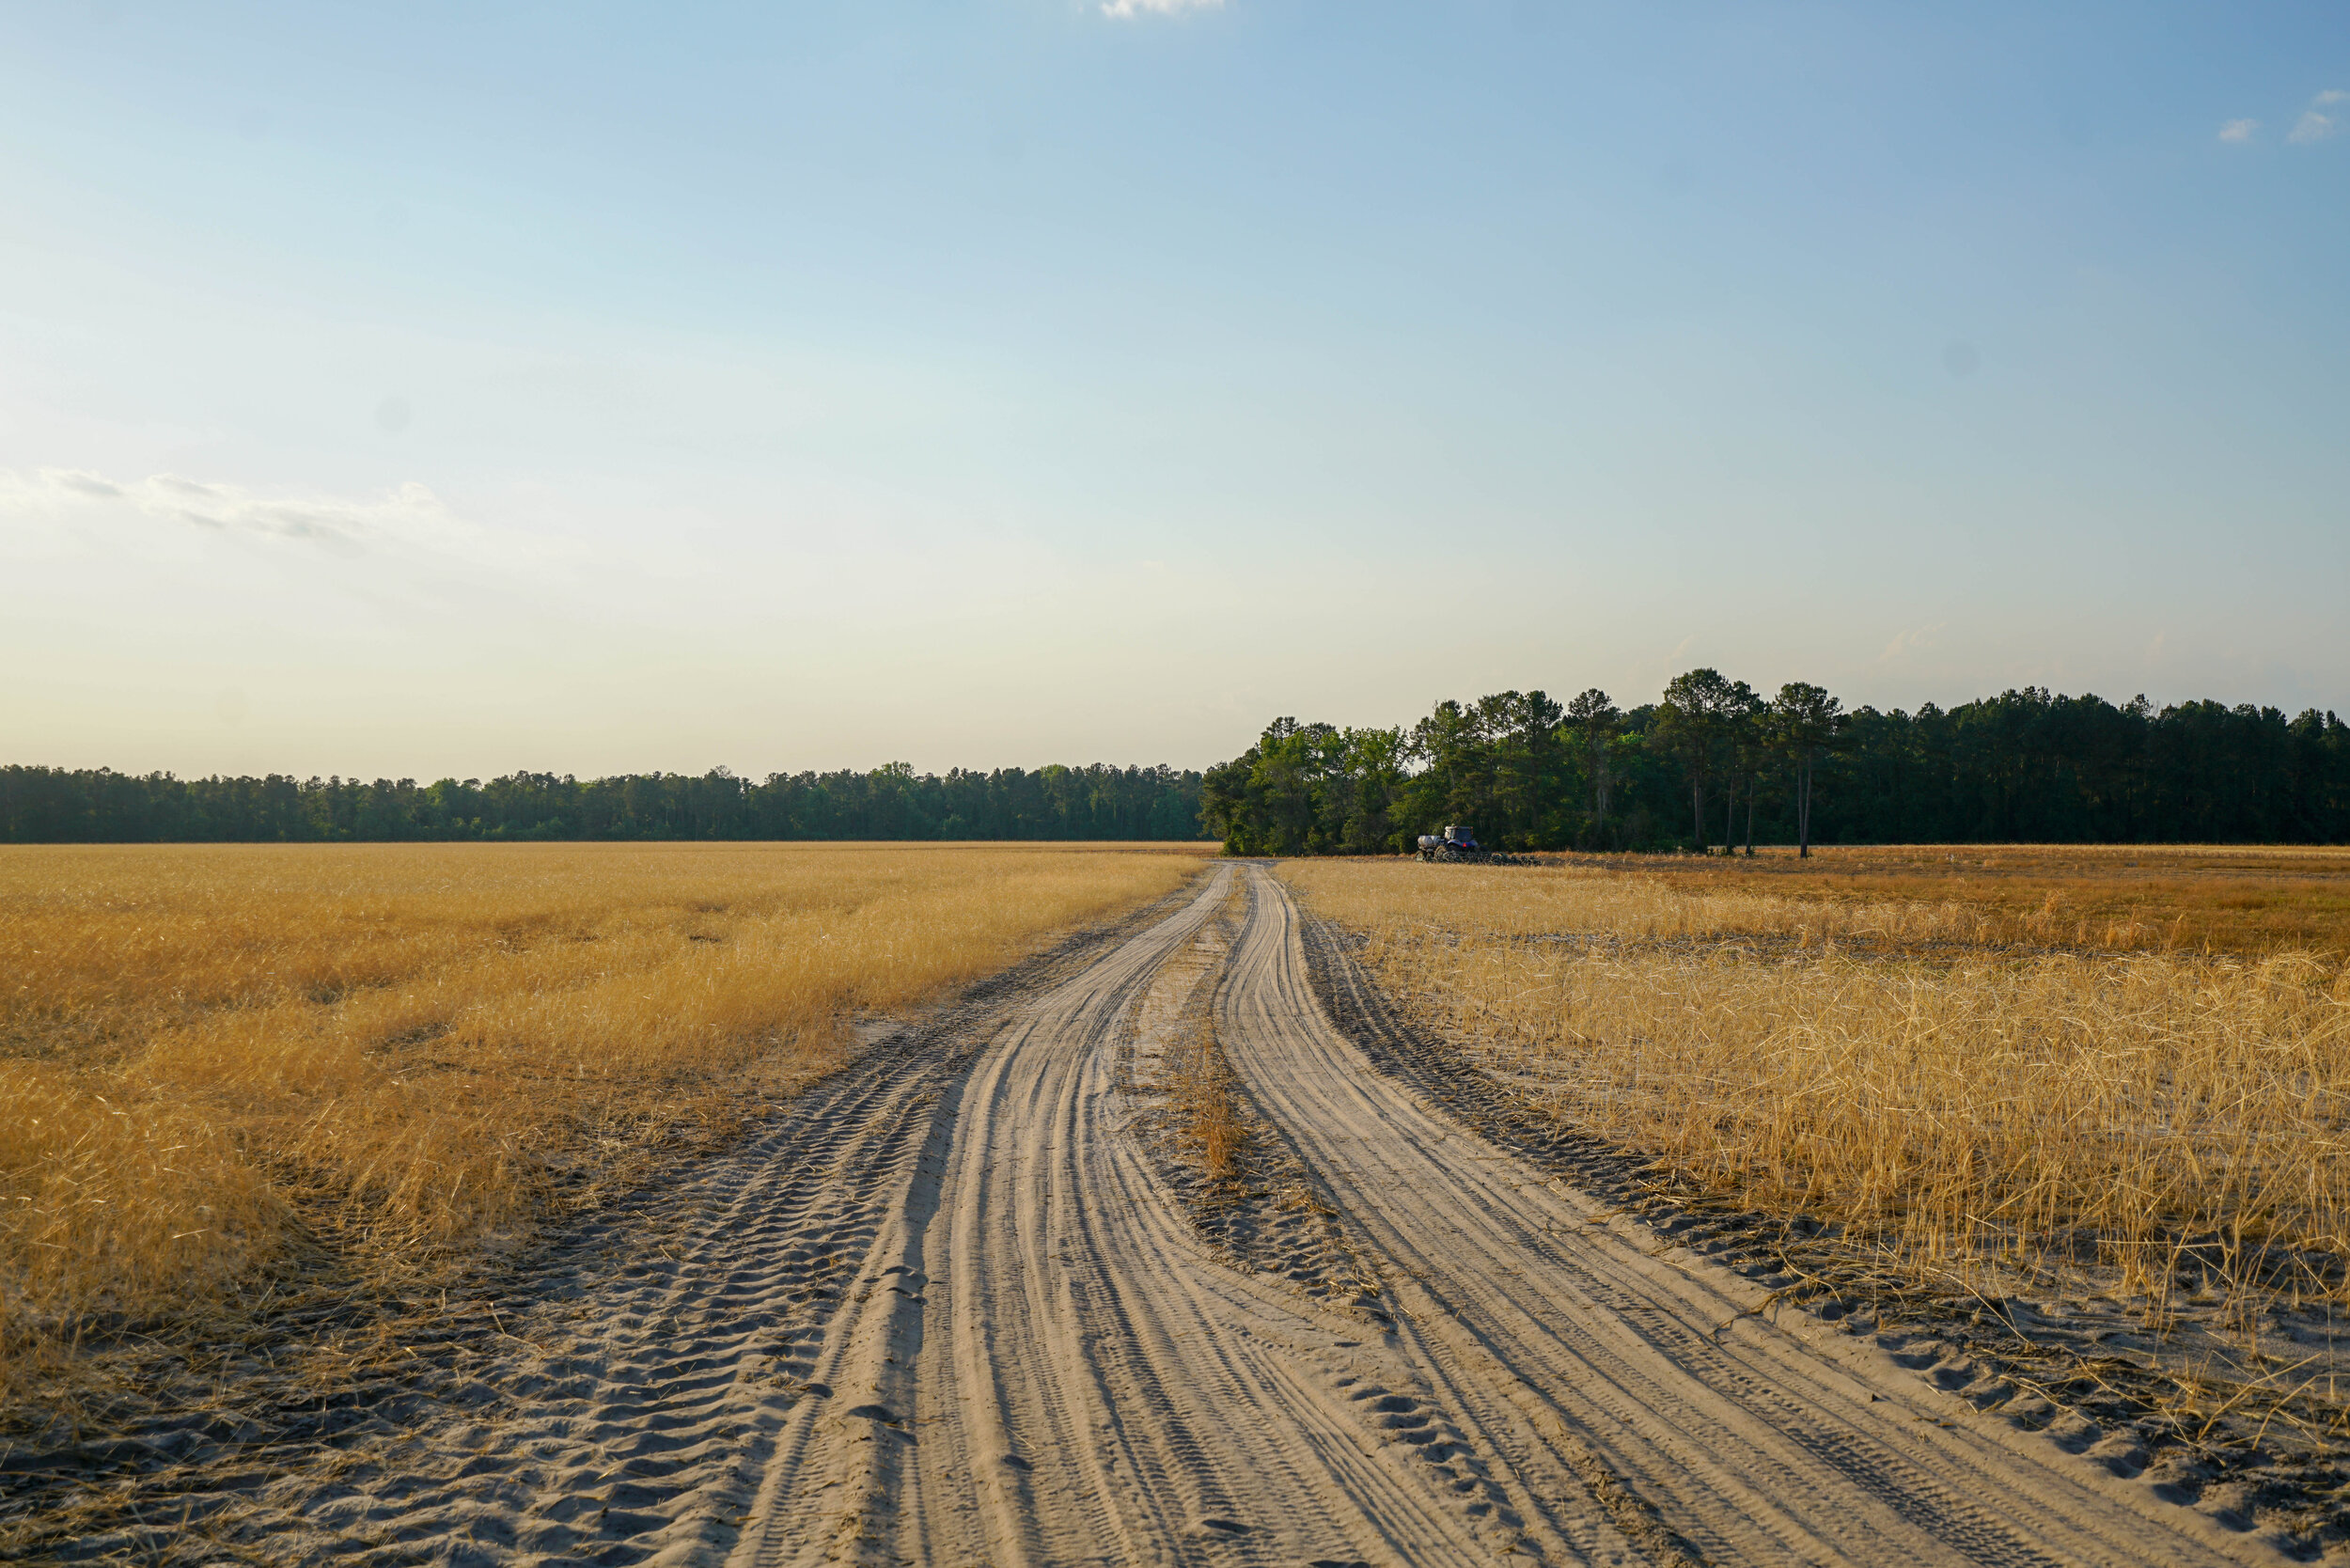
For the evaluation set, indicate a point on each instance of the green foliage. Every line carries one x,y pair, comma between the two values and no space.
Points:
1309,789
1709,725
1804,722
2025,766
99,806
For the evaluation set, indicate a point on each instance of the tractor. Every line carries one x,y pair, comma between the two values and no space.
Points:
1454,843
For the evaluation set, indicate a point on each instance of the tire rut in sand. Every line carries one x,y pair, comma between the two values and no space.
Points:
2040,1367
1266,1213
644,1370
1579,1359
1092,1384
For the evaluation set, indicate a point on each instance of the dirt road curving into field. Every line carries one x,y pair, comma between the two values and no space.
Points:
1040,1362
953,1309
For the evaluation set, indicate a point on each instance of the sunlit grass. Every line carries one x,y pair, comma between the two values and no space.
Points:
218,1064
2226,898
1878,1062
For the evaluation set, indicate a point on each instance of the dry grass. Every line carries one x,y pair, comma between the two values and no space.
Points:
220,1065
2244,899
1208,1118
1198,1081
2162,1116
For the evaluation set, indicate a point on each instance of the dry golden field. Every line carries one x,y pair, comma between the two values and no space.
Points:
1974,1077
224,1067
2228,898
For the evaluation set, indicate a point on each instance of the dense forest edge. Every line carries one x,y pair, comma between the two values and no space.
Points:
1716,764
1711,764
99,806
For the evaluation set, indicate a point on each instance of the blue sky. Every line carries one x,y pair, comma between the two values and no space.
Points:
457,389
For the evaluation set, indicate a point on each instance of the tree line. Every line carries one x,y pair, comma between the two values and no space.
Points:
98,806
1715,762
1712,762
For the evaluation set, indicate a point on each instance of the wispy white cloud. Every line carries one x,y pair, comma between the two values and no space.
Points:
408,518
2315,125
2318,122
1157,7
1915,638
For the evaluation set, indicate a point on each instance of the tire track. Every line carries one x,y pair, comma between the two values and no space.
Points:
1107,1390
649,1372
1590,1367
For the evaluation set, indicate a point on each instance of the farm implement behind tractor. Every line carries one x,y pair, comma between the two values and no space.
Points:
1459,844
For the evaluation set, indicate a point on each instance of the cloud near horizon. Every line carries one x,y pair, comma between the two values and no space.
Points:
1910,640
1157,7
410,517
2238,130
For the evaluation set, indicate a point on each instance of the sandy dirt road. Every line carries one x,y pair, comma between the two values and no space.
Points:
1041,1363
951,1312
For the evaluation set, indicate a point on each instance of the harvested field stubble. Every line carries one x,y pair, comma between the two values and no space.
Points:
2172,1122
224,1069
